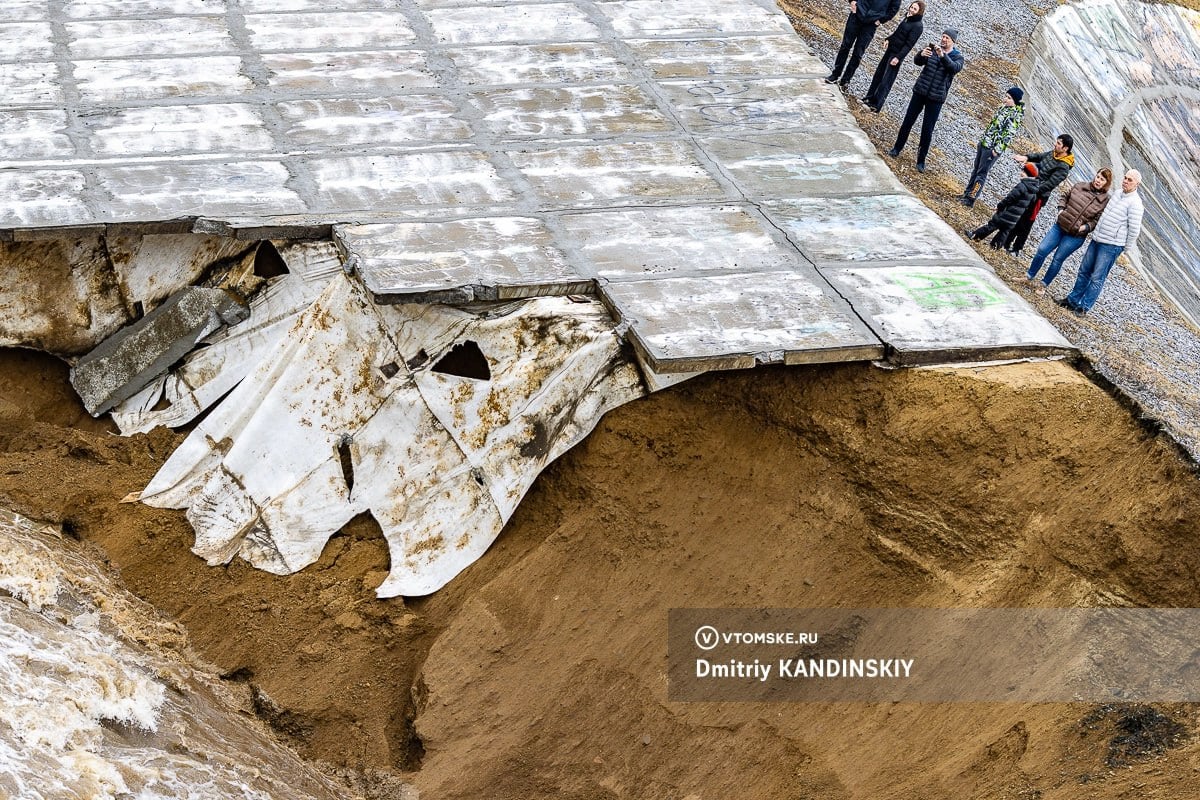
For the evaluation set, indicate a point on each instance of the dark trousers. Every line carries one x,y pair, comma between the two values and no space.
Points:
983,231
932,109
985,157
881,82
857,36
1020,232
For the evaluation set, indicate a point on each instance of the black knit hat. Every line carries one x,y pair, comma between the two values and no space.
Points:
1017,94
952,33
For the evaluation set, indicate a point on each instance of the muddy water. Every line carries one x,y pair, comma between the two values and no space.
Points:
98,700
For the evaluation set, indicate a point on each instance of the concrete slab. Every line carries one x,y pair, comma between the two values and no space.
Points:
412,120
126,362
885,229
26,41
601,111
458,179
496,258
179,129
169,36
739,321
335,29
636,244
330,74
30,84
557,63
43,198
758,56
614,173
740,105
828,164
516,22
944,314
640,18
107,82
139,192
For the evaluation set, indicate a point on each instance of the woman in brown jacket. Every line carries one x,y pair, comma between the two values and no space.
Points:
1079,209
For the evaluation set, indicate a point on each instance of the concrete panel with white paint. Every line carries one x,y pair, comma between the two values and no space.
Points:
693,324
933,314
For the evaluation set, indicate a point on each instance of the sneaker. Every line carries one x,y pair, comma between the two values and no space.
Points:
894,153
831,79
1040,291
920,166
966,201
969,233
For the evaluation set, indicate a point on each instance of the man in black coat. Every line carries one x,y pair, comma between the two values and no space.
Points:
1053,168
865,17
1008,210
940,63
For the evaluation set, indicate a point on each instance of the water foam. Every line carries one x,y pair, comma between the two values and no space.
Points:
99,701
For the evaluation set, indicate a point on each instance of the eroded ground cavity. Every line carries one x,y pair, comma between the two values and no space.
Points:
540,670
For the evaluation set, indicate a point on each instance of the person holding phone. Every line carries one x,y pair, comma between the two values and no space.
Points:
940,61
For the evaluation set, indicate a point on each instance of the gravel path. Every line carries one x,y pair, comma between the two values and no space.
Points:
1132,337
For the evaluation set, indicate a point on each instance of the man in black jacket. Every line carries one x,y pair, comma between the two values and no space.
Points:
1053,168
940,63
865,17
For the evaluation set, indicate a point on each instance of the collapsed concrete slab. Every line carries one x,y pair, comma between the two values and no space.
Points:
933,314
58,295
366,407
125,363
209,372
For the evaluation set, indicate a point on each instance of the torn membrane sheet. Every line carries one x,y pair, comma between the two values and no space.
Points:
440,460
209,372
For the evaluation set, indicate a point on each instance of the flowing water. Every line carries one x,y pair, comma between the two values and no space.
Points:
100,699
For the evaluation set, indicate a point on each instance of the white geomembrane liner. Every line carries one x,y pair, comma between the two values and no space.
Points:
441,460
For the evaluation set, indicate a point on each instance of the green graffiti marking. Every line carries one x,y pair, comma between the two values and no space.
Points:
948,289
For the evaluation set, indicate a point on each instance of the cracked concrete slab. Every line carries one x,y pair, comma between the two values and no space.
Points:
931,314
693,324
463,150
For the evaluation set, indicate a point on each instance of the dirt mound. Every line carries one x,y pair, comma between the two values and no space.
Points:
541,670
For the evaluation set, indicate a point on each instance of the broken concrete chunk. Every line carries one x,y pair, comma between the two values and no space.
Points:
126,362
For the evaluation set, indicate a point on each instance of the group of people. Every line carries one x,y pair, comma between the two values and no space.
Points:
1113,219
940,61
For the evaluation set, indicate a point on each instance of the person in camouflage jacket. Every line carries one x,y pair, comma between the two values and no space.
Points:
995,140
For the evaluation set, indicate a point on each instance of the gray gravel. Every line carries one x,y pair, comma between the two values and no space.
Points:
1133,338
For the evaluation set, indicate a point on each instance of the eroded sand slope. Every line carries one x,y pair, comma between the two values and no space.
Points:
541,670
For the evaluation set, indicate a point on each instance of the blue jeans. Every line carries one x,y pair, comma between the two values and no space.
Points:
1055,238
1097,261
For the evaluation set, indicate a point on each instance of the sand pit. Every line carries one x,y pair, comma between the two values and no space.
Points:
541,670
